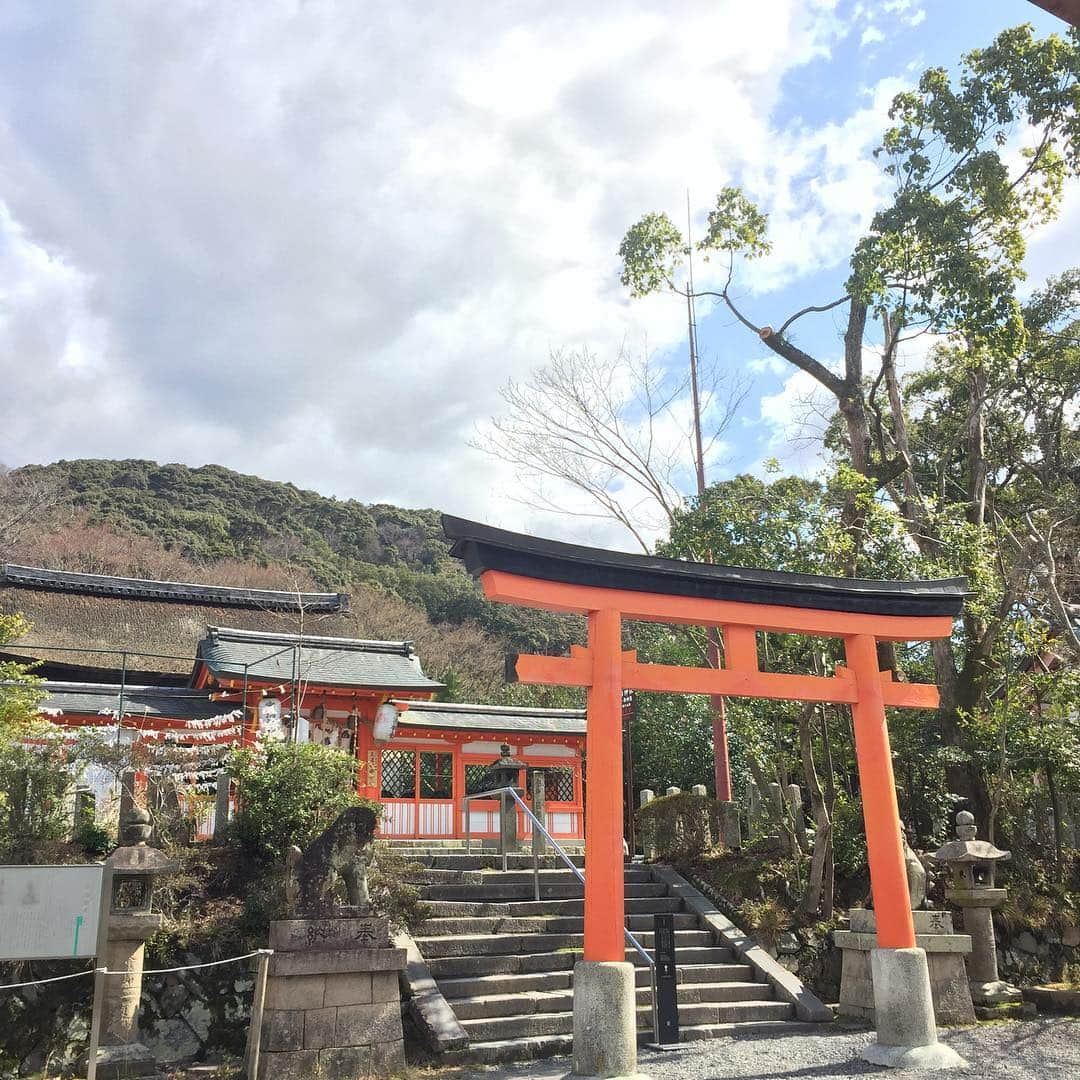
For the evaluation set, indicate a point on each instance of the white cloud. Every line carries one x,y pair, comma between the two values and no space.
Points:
871,36
311,241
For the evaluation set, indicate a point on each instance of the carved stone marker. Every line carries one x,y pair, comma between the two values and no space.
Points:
333,1007
945,952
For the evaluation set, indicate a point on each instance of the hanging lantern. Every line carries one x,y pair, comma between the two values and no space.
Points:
270,728
386,720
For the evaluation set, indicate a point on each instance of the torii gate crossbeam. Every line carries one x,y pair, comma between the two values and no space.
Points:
608,587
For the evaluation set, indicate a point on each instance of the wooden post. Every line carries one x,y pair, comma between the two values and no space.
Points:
104,906
881,812
258,1000
604,888
221,806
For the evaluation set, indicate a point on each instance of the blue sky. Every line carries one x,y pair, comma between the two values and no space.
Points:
311,240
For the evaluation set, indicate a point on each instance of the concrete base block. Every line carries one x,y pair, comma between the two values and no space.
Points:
123,1062
904,1011
605,1020
916,1058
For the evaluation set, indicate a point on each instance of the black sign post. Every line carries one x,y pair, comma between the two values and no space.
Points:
665,983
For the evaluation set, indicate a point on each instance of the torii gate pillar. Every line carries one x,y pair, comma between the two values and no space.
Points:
609,586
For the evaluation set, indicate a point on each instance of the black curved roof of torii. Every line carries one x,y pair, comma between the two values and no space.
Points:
482,547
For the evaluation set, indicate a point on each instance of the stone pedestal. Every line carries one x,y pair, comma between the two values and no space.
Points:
333,1007
605,1020
945,951
988,990
906,1032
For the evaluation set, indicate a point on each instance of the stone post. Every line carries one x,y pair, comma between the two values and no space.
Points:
508,833
704,825
221,806
794,797
755,812
127,795
673,791
539,808
648,831
730,826
85,809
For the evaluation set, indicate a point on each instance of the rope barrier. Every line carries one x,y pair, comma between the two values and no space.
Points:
41,982
146,971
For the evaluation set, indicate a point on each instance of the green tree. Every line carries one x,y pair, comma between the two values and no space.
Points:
977,162
289,793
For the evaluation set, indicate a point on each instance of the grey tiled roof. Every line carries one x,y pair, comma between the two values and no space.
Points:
325,661
176,702
36,577
438,714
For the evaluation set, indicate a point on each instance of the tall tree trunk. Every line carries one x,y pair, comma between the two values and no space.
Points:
812,898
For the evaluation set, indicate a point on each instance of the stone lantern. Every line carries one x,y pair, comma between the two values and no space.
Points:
136,869
505,772
971,864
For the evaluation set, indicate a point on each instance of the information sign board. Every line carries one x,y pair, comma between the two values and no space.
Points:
49,912
666,986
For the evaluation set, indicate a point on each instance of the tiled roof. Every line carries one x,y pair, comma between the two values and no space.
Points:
439,714
483,548
35,577
324,661
93,699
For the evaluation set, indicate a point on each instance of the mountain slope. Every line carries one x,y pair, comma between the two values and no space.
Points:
212,515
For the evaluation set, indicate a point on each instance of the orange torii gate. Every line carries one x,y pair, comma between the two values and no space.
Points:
608,587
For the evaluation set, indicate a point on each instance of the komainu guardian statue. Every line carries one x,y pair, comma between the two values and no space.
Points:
342,855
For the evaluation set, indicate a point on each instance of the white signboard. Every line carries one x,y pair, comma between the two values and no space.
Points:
49,912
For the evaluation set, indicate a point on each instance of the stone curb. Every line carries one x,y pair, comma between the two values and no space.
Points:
429,1010
788,987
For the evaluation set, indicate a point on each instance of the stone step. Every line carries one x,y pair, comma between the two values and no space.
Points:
439,925
449,967
551,875
504,1051
488,861
639,905
484,944
509,983
492,891
494,1028
538,1047
520,1002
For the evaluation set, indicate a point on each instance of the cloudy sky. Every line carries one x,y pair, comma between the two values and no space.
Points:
310,240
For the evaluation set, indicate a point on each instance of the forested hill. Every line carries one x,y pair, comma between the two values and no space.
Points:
211,513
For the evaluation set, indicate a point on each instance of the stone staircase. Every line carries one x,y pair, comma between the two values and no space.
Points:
504,961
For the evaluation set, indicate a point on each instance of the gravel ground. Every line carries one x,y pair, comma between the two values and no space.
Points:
1044,1049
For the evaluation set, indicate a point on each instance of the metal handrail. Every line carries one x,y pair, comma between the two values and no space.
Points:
536,824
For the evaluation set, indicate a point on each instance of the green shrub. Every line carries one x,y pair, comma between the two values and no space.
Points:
289,793
35,779
682,826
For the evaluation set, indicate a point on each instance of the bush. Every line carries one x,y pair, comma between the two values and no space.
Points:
34,782
682,826
289,793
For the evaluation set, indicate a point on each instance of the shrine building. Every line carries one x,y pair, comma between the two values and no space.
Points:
94,637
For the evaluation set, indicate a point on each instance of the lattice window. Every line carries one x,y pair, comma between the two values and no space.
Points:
474,776
559,785
436,775
398,774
